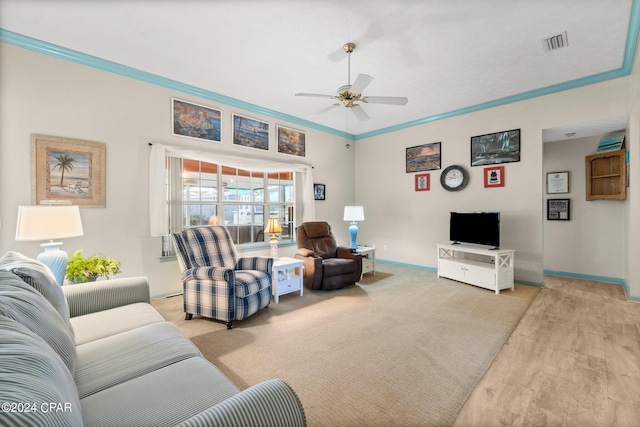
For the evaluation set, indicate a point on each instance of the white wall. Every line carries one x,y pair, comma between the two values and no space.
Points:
591,242
44,95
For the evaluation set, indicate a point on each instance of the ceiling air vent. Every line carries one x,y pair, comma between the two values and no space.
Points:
555,42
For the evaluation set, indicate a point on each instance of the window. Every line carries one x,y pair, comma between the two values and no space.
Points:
201,193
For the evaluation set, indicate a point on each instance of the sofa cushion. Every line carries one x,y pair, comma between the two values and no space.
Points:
32,373
122,357
94,326
39,276
22,303
164,397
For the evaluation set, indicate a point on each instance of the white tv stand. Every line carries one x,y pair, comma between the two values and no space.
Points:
486,268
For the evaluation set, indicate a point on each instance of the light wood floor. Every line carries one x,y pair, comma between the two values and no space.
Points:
573,360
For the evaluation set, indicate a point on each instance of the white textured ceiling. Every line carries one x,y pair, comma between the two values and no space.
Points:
443,55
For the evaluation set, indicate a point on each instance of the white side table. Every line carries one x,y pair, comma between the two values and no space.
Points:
287,277
368,259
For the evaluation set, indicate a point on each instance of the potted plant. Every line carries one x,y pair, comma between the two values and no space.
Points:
80,270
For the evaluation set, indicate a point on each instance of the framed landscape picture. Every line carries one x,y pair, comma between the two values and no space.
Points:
291,141
423,157
495,148
68,170
249,132
195,121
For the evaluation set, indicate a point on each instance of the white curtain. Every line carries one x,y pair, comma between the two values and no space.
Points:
158,220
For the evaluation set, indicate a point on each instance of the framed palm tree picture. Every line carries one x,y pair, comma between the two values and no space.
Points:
67,170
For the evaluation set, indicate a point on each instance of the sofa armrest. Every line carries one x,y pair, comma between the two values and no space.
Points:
271,403
260,263
90,297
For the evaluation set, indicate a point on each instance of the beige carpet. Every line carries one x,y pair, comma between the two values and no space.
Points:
404,350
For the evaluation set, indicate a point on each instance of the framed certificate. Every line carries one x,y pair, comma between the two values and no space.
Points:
557,182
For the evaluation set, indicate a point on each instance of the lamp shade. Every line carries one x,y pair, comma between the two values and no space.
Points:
273,226
353,213
48,222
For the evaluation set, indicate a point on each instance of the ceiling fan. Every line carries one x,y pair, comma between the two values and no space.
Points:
350,94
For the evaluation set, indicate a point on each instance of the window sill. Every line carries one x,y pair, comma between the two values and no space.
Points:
247,247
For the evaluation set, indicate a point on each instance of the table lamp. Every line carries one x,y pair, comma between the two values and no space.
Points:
273,227
353,214
48,223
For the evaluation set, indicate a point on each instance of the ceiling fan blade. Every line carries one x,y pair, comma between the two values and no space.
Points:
315,95
360,114
329,108
392,100
360,83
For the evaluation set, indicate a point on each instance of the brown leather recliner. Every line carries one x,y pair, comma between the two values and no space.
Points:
327,266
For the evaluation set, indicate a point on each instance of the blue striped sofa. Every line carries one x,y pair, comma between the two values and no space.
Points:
98,354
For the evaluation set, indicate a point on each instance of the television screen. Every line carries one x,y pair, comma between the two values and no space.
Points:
481,228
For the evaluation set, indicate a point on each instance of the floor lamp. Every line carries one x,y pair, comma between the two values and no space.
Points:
49,223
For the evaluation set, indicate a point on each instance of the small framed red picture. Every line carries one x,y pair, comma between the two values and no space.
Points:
494,177
423,182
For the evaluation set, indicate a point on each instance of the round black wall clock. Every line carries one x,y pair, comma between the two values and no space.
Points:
454,178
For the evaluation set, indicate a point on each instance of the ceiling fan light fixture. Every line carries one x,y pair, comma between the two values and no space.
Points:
349,94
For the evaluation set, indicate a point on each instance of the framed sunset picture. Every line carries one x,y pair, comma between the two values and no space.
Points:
252,133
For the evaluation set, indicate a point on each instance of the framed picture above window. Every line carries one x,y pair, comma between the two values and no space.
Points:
68,169
195,121
494,177
423,182
558,209
291,141
495,148
250,133
423,157
319,191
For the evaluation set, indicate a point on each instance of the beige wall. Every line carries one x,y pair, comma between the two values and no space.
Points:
41,94
44,95
411,223
591,242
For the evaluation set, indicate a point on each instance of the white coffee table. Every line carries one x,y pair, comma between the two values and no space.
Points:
287,277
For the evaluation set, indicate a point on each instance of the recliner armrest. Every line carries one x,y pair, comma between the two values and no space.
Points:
208,273
260,263
347,252
304,253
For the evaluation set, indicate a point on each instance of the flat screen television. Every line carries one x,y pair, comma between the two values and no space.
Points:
480,228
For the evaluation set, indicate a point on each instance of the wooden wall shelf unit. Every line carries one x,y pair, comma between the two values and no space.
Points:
606,175
486,268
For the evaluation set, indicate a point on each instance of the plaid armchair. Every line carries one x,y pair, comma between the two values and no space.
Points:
216,283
